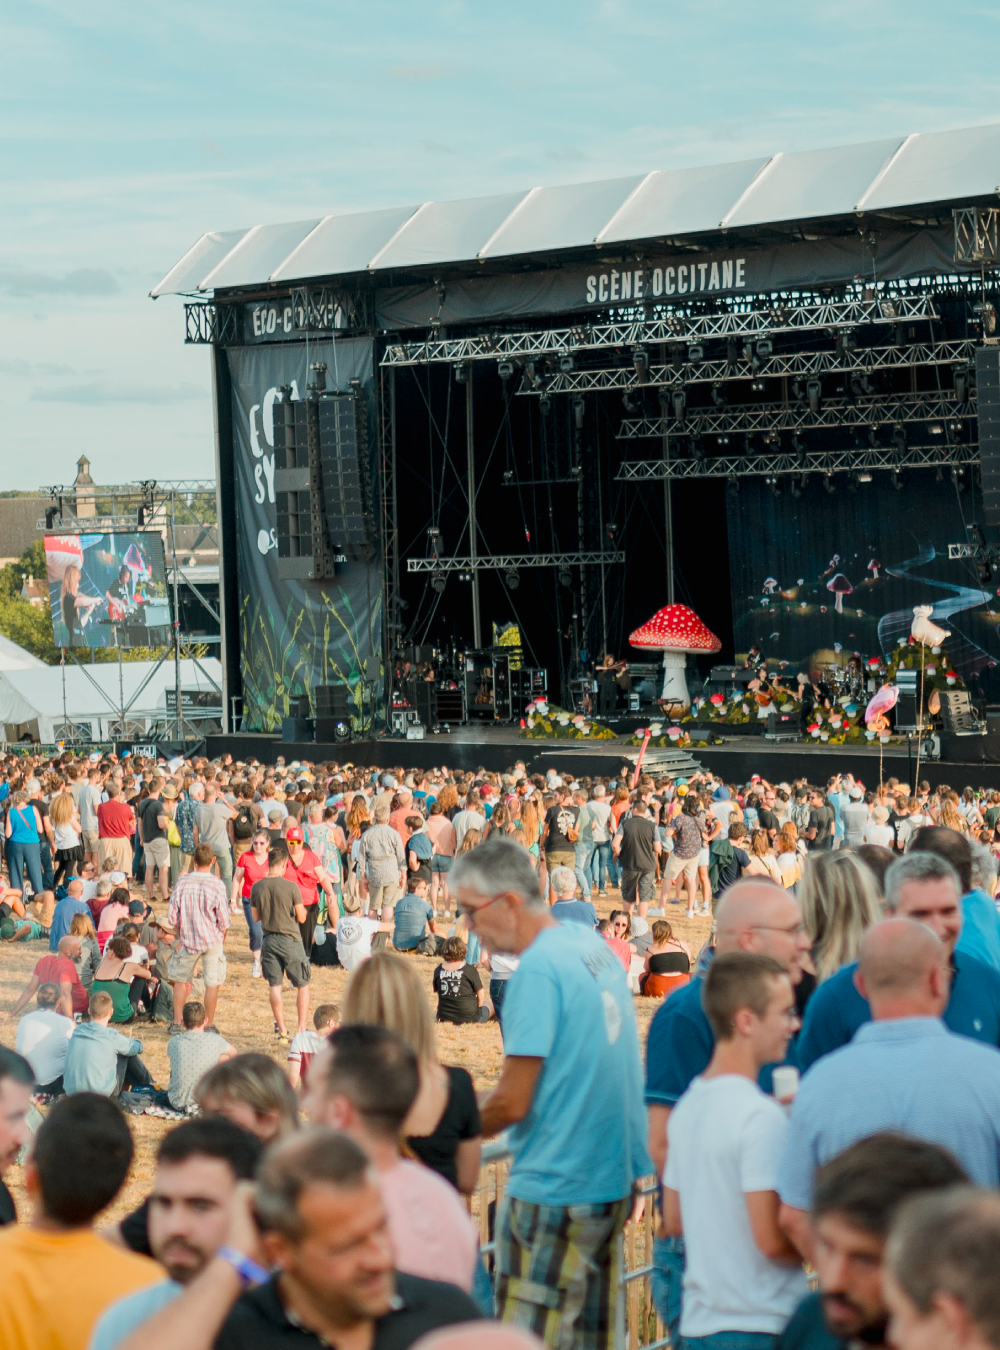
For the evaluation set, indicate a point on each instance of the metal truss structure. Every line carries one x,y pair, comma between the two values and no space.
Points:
779,317
205,321
790,365
874,411
977,234
825,462
326,309
504,562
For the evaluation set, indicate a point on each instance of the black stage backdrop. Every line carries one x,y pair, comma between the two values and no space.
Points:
881,550
294,634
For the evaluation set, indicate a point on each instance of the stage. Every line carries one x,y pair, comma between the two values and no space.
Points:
973,760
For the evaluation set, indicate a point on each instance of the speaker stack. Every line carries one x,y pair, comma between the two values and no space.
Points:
988,412
334,708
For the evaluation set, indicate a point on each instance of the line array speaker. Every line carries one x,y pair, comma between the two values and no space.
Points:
343,438
988,398
334,700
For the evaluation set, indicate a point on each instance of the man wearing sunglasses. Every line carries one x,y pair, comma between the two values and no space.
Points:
571,1081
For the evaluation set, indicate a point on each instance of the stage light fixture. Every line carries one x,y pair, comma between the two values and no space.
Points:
508,476
630,404
939,474
732,484
772,438
718,397
795,489
799,448
461,373
533,376
51,515
897,480
765,347
512,578
696,352
814,393
864,476
439,581
889,308
680,403
342,731
565,577
722,440
579,333
935,429
988,315
828,484
640,359
505,369
958,476
961,383
758,386
697,449
732,351
774,485
899,438
567,364
677,356
953,430
579,407
545,405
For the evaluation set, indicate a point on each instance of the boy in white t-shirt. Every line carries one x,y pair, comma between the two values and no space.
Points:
305,1044
725,1141
354,936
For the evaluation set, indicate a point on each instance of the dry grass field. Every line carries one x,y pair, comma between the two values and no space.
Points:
244,1019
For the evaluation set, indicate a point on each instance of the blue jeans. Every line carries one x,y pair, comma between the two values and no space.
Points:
583,857
21,858
730,1340
603,866
256,931
498,992
666,1281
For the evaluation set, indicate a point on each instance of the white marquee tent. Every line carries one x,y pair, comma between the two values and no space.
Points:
35,701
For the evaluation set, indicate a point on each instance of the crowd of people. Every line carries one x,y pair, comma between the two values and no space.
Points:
818,1095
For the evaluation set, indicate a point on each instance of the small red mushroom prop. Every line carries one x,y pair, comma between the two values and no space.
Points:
840,587
675,630
873,567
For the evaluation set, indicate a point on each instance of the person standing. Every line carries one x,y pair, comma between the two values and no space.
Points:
854,817
89,801
199,913
251,867
115,830
559,835
23,832
635,846
212,828
822,824
276,904
309,875
584,848
153,837
684,860
571,1081
603,862
383,860
743,1276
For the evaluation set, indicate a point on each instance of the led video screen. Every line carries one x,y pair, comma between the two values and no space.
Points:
107,590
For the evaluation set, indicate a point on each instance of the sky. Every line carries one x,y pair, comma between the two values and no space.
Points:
128,130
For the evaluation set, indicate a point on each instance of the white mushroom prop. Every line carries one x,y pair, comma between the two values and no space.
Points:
675,630
770,585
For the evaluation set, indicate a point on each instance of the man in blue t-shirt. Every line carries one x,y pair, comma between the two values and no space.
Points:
413,916
753,915
921,886
565,908
571,1094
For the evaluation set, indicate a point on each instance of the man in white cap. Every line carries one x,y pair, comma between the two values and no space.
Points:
854,817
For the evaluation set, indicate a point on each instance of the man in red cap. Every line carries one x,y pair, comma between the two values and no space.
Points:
305,869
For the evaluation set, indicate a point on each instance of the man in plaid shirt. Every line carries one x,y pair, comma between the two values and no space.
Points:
199,912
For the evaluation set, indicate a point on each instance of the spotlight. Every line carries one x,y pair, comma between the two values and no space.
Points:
814,393
732,484
722,440
677,356
961,384
680,403
899,439
864,476
512,578
580,333
799,448
565,577
765,347
567,364
697,449
774,485
953,430
732,351
897,480
889,309
758,386
342,732
958,476
988,315
718,397
51,516
532,376
461,373
579,408
795,489
438,581
505,369
630,403
828,484
640,359
696,352
508,476
935,429
545,405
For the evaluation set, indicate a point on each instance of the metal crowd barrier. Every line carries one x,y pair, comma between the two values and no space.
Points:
641,1327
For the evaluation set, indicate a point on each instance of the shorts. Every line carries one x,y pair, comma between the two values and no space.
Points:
117,851
381,897
441,863
89,840
182,964
283,955
687,866
156,853
704,857
638,886
560,858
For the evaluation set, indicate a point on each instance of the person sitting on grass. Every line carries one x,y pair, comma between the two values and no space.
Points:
43,1037
413,916
460,993
305,1044
101,1060
192,1054
22,930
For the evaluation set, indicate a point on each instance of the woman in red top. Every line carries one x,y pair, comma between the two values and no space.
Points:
251,868
616,936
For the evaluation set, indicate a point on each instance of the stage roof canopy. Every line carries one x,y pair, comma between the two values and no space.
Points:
884,175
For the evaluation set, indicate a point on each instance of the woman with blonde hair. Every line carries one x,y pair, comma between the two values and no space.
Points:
253,1092
840,902
82,926
763,863
67,835
472,838
787,857
951,817
531,827
443,1127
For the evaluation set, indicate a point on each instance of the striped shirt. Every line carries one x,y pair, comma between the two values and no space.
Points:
199,910
910,1074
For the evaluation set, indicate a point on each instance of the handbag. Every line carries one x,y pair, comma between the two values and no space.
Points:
173,833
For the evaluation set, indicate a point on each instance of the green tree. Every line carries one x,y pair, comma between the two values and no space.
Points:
30,626
30,564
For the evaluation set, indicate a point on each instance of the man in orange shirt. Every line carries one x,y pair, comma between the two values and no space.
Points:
58,1274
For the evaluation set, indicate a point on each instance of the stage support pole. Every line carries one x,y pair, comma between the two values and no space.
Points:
668,523
477,630
178,711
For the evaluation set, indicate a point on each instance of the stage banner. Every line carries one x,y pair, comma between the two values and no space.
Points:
679,278
819,578
295,634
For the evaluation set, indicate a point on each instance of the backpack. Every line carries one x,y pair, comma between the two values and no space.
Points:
244,823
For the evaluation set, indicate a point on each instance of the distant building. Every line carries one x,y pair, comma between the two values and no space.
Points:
18,525
84,492
35,592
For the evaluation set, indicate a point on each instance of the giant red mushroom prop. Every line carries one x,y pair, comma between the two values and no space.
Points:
840,587
675,630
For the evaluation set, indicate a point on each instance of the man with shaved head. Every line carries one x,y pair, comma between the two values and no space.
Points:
904,1070
753,915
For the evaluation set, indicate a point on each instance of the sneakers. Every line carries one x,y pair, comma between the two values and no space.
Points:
175,1029
283,1038
255,969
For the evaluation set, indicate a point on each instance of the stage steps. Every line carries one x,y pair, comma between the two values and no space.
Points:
664,761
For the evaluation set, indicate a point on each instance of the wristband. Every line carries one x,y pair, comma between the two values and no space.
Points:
247,1269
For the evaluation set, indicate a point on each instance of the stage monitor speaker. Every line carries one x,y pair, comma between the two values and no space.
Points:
988,405
343,438
304,551
426,701
295,729
334,700
906,712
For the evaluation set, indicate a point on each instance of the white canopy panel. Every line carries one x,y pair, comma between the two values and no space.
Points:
13,657
878,175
